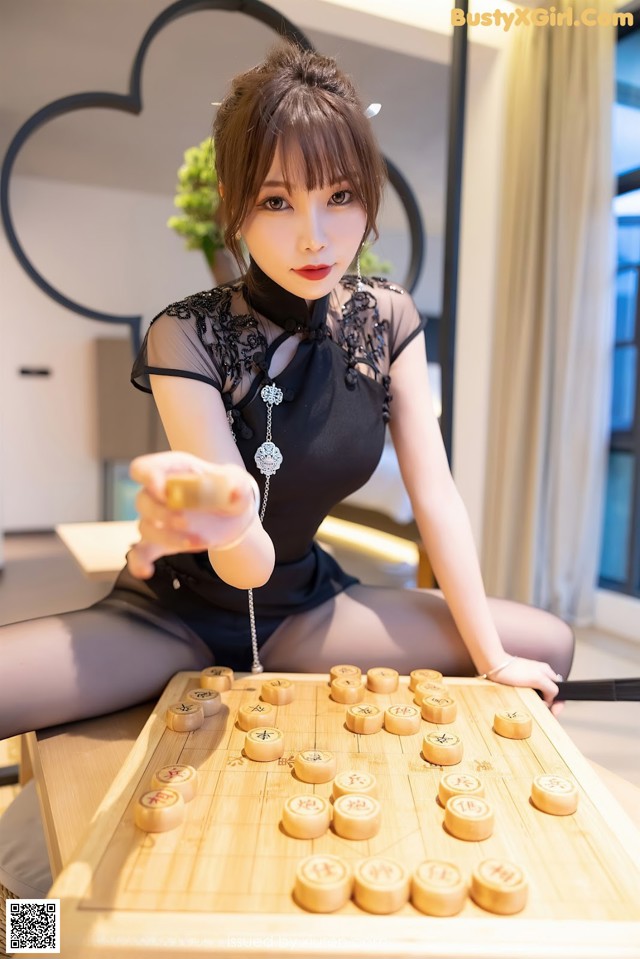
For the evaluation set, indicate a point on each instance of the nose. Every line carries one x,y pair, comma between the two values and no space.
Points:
312,230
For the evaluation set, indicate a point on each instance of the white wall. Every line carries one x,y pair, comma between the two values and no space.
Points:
109,250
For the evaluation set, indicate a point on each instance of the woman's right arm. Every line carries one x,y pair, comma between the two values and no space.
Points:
195,421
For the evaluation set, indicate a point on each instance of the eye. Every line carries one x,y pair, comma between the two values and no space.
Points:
342,197
273,199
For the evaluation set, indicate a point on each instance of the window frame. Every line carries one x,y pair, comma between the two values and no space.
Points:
628,441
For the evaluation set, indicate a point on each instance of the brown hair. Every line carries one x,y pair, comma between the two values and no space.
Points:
305,103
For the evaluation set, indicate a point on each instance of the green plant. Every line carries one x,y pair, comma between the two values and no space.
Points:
371,264
198,198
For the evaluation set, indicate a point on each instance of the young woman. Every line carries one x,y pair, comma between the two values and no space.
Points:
278,388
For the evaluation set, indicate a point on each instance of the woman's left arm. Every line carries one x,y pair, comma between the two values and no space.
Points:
444,524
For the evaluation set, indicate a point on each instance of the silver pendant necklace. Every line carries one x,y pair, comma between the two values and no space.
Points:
268,459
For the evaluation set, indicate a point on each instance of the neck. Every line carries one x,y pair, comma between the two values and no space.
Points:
285,309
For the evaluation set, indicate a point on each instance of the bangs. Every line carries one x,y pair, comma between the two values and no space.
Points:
317,146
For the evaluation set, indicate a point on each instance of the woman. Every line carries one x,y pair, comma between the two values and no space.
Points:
278,387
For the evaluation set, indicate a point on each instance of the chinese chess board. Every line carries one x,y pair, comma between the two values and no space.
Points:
221,883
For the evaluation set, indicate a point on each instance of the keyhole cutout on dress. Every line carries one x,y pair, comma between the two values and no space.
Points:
280,360
283,356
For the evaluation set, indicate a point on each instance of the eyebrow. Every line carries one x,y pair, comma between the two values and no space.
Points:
344,179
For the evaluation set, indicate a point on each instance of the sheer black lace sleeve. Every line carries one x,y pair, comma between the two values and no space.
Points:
378,321
405,321
179,343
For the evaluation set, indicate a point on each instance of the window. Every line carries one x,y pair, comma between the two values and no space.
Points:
620,557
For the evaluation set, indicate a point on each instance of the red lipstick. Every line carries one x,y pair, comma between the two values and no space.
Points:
314,272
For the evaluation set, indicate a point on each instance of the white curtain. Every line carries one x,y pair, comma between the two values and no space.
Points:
553,331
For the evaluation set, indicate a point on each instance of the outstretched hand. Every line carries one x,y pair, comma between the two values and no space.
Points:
537,675
164,531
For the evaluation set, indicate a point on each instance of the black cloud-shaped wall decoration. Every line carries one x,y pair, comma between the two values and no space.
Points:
132,103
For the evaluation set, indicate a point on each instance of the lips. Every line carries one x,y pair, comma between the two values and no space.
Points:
314,272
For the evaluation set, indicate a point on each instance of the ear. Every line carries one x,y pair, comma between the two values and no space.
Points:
221,189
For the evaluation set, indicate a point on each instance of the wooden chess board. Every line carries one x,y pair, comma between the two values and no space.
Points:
221,884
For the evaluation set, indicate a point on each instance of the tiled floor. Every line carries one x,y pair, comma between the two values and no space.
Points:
40,578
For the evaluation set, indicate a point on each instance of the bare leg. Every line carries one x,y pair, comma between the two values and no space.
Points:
58,669
406,629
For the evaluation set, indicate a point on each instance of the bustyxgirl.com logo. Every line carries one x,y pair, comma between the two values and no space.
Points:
541,17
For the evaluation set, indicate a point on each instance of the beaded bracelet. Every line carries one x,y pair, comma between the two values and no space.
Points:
496,669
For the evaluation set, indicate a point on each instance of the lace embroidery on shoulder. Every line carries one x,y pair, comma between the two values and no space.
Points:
231,339
362,334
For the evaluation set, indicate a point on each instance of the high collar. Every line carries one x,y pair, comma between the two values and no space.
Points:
285,309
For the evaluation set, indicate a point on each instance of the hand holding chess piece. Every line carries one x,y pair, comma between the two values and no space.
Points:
188,505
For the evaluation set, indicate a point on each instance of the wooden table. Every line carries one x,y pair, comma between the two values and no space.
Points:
99,549
73,766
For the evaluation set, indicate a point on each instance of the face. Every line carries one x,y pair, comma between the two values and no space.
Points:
285,232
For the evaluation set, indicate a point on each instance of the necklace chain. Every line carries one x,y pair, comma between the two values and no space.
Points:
268,459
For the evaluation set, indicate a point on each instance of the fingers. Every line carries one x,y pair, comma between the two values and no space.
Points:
163,526
549,691
546,682
241,495
162,531
153,510
141,557
533,673
551,673
173,541
190,528
151,471
165,531
548,687
226,489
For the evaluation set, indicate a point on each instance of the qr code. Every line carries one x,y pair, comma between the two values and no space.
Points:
33,925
